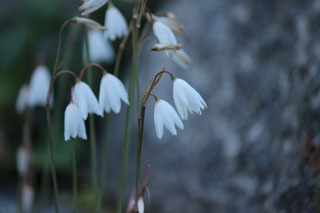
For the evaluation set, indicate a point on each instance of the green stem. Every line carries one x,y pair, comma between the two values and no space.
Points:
104,161
125,146
75,179
52,162
92,135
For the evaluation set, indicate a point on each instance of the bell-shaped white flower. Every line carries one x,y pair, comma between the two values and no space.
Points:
89,6
22,99
140,205
115,23
111,93
85,99
186,98
39,86
166,115
73,123
100,49
171,21
164,35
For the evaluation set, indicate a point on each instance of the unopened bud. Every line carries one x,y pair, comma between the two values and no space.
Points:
166,46
89,23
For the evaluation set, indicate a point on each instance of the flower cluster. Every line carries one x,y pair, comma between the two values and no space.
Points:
186,99
83,102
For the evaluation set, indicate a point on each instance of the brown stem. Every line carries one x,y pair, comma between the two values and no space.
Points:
85,67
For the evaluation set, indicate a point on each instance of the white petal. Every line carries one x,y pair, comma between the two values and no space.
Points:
91,5
165,115
140,206
116,24
73,123
187,98
181,58
22,99
85,99
39,86
101,51
112,92
158,123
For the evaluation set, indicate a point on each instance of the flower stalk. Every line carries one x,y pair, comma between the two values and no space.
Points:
92,134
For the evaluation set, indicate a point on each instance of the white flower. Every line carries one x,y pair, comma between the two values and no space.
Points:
164,35
111,93
85,99
27,197
186,98
181,58
89,6
171,22
23,160
39,86
140,205
100,49
22,99
89,23
73,123
166,115
115,23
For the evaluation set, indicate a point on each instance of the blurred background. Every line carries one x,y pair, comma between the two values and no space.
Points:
256,147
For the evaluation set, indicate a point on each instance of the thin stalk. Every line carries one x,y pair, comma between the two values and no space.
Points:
52,164
75,179
104,161
125,146
92,134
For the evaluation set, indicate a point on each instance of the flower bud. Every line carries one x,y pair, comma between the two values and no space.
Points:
89,23
166,46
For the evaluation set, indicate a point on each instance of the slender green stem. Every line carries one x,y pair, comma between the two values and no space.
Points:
125,146
104,161
92,134
75,178
52,162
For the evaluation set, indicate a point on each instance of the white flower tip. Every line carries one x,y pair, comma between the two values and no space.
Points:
140,205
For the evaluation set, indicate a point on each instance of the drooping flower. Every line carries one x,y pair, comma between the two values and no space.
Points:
39,86
73,123
116,23
23,160
100,49
171,21
85,99
165,115
22,99
166,36
186,98
140,205
89,23
111,93
89,6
